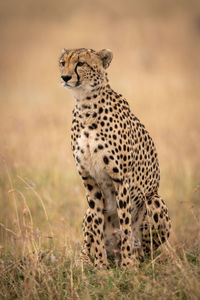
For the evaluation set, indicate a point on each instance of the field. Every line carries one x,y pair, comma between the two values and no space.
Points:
156,66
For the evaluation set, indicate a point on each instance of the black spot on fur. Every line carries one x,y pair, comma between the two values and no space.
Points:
98,195
105,159
86,134
157,203
121,205
155,217
89,219
91,204
126,220
90,187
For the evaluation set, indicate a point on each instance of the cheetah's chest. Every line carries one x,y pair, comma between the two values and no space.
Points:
91,161
87,158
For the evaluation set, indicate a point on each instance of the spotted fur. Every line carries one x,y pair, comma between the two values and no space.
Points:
117,161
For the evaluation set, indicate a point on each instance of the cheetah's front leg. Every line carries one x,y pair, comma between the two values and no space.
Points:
88,237
124,215
96,202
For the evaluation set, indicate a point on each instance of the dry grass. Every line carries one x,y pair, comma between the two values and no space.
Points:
156,66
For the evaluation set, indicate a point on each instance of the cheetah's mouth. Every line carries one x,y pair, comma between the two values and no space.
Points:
69,86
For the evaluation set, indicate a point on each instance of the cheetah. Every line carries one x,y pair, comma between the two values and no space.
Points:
118,163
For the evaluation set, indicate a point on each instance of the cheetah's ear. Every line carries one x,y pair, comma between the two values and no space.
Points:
63,51
106,57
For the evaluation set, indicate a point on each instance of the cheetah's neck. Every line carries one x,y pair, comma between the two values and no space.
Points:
88,92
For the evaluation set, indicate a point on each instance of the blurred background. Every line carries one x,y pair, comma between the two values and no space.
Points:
156,66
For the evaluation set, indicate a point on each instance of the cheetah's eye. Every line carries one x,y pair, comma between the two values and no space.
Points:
62,63
80,63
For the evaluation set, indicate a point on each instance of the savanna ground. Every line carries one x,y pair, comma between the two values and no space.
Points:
156,66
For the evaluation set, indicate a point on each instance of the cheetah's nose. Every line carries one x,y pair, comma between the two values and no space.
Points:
66,77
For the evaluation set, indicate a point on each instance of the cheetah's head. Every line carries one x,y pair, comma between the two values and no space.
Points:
84,68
